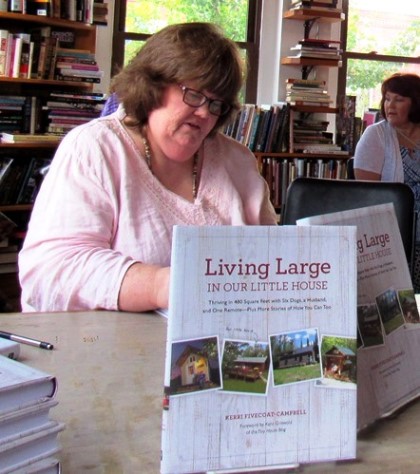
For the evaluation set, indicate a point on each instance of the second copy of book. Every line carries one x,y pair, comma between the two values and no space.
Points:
260,368
388,372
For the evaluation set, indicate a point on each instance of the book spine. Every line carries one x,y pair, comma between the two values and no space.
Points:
17,51
16,6
4,34
93,80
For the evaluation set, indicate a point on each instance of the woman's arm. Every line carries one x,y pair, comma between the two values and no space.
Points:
366,175
144,287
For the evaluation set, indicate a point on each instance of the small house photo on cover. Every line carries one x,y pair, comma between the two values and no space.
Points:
195,366
295,356
245,367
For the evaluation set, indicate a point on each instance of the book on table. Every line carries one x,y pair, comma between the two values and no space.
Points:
28,436
261,348
22,385
20,452
388,319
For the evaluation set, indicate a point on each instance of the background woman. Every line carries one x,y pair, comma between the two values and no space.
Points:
390,149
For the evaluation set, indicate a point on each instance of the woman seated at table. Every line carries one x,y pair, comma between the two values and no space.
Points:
101,228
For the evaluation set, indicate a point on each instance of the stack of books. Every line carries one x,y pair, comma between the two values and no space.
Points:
318,49
28,435
76,65
330,5
65,111
307,92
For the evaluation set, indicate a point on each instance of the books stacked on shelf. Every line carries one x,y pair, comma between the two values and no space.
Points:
74,10
67,110
76,65
307,92
100,12
329,5
28,435
22,179
279,173
33,55
261,128
318,48
348,126
371,116
12,113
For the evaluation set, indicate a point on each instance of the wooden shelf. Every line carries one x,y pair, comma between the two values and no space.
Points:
16,207
46,20
313,109
291,61
45,82
314,14
30,145
312,156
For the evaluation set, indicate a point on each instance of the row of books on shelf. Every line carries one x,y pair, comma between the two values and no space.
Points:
307,92
261,128
33,118
29,440
85,11
279,173
45,53
20,178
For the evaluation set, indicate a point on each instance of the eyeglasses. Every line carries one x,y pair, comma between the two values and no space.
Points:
195,98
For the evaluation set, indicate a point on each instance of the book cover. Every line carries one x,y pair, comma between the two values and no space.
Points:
22,385
10,349
388,318
260,348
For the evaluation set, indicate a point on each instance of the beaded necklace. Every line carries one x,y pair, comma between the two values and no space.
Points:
148,155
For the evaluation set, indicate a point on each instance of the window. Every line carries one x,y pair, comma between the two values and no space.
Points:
381,37
136,20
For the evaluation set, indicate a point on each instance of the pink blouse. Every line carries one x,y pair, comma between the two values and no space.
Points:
100,209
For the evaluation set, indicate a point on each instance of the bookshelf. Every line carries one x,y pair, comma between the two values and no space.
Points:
83,37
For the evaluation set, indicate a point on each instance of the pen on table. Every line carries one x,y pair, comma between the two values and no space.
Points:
26,340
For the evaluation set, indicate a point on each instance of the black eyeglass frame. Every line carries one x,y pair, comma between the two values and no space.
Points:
222,108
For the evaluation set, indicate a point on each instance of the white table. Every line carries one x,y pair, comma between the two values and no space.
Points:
109,367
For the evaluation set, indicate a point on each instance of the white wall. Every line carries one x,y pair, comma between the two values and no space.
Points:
104,48
269,67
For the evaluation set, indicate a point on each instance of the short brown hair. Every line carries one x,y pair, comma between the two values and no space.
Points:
407,85
181,53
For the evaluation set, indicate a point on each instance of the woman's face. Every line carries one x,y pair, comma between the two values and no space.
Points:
397,107
177,129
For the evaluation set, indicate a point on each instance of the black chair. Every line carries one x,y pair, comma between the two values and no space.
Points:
313,196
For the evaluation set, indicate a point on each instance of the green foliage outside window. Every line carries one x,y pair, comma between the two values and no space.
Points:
364,77
149,16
